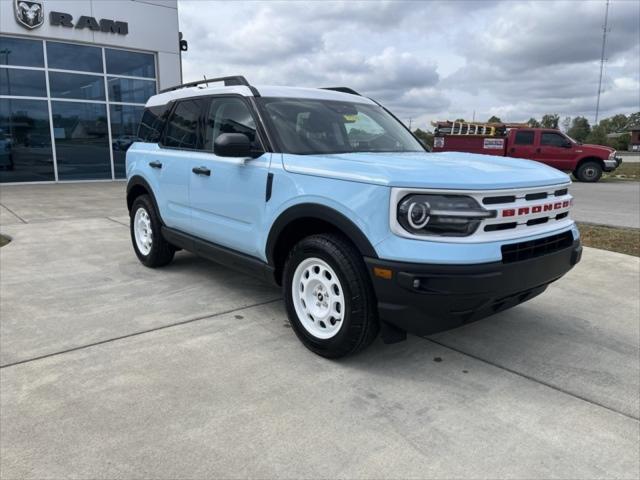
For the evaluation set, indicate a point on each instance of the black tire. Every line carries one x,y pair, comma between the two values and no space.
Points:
360,324
589,171
161,252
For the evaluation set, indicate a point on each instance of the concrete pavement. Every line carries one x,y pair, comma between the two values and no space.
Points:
113,370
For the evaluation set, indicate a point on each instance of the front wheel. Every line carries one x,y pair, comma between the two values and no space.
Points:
150,247
590,171
328,296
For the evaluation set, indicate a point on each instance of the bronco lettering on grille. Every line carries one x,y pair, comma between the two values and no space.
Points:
547,207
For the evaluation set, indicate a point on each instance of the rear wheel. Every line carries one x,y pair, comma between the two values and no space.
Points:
590,171
150,247
329,297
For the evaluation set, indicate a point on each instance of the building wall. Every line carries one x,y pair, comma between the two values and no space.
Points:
71,98
153,27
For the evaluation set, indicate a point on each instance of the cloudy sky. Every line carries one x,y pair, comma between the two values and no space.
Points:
428,60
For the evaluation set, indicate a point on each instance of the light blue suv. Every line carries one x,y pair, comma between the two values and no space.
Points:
326,193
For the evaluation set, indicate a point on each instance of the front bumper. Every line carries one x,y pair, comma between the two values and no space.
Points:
424,299
612,163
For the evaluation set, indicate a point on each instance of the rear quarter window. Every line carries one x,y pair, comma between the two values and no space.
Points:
152,123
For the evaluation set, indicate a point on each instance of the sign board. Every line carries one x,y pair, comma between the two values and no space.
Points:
30,15
493,143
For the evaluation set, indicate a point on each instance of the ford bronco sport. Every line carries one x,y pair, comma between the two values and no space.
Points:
327,194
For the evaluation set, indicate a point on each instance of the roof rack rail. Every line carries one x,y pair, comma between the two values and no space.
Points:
228,81
343,90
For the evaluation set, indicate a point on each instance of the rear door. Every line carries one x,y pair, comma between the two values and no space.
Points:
556,150
522,144
228,195
181,140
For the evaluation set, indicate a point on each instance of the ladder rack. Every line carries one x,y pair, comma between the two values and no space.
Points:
474,128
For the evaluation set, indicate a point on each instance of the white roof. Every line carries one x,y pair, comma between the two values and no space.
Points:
265,91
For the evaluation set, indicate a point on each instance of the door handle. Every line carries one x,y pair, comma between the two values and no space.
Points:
155,164
512,150
201,171
538,150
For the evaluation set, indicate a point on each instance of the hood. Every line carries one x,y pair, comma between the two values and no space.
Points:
598,149
447,170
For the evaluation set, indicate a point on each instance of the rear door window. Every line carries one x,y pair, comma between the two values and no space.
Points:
183,128
524,137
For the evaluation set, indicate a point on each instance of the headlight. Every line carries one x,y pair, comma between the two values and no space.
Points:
442,215
612,155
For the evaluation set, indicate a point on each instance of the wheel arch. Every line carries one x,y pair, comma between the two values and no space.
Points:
307,219
137,186
590,158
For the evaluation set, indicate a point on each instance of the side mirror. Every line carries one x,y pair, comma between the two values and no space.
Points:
234,145
567,144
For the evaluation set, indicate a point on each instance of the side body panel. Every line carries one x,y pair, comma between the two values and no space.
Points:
562,158
170,183
228,206
521,151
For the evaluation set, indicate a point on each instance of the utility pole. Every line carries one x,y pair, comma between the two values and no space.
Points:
602,59
410,119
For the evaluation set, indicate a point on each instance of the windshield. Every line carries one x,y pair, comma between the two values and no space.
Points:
306,126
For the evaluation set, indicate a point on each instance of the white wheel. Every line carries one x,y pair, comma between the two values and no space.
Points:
142,231
318,298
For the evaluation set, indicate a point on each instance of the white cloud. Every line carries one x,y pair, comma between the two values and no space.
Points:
427,60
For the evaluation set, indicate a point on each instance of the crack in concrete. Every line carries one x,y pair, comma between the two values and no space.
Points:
135,334
116,221
13,213
533,379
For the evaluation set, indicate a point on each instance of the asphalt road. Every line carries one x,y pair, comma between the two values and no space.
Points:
608,203
112,370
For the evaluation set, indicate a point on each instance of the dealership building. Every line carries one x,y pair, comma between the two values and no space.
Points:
74,78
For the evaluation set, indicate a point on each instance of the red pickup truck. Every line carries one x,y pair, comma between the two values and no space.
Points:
552,147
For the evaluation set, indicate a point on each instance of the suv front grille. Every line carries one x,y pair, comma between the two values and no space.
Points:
516,252
525,209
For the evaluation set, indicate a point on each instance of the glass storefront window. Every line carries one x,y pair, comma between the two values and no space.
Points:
132,64
66,56
24,53
130,90
82,142
25,141
78,86
95,95
124,128
23,83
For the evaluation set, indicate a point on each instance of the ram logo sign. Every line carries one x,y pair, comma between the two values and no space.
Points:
29,14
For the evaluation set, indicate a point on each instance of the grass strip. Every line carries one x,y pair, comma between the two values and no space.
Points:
626,171
614,239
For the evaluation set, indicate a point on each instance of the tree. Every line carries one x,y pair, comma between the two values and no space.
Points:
494,119
459,120
621,142
425,137
597,136
580,129
550,120
533,123
614,124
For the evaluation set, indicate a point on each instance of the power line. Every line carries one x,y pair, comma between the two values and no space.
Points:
602,59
